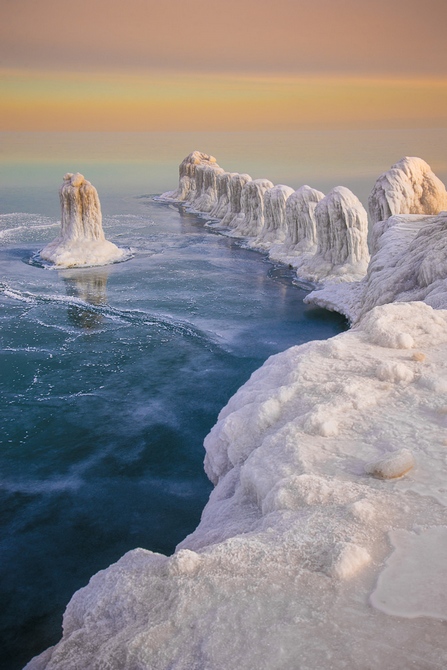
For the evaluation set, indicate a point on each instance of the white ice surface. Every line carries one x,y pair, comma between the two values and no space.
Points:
293,545
409,187
187,183
81,241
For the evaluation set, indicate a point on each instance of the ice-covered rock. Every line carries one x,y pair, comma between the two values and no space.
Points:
251,219
233,214
274,229
206,188
342,249
409,187
222,205
81,241
187,170
300,219
293,545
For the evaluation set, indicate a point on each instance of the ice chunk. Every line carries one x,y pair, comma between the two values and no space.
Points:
392,466
233,214
81,241
187,169
409,187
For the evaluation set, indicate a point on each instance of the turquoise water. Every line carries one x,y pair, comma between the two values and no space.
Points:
112,377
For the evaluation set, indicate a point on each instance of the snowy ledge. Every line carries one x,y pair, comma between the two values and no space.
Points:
324,541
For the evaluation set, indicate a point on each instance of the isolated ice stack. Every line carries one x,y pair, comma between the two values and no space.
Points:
187,170
342,249
251,220
81,241
233,215
408,187
274,228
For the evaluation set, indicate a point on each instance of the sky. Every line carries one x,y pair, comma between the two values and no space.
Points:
222,65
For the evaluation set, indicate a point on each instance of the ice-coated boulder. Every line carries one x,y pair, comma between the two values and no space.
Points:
206,188
251,221
222,205
342,229
233,214
187,169
409,187
274,229
300,219
81,241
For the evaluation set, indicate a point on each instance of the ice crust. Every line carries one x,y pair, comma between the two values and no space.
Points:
81,241
324,542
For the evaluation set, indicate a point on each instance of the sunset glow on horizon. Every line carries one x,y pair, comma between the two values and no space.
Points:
109,101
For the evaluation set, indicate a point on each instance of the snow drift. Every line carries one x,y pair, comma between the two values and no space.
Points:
82,241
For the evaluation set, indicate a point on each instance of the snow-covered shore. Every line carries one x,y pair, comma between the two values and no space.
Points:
324,541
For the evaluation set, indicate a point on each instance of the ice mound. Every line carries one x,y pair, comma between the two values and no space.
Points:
251,219
187,169
409,187
293,545
82,241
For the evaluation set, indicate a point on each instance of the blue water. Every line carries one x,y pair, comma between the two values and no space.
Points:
111,378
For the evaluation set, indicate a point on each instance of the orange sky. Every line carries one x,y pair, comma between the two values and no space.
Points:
206,64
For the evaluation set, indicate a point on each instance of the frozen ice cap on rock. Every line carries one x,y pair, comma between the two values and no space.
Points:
233,214
223,195
81,241
300,219
206,188
274,229
251,220
187,169
342,230
409,187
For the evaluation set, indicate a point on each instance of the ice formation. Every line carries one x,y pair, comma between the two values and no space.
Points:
342,248
205,197
274,230
251,219
81,241
300,218
233,214
409,187
293,546
223,195
187,170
